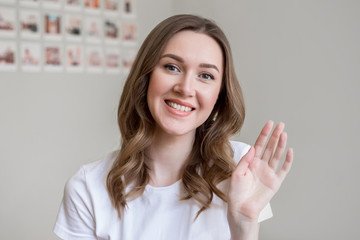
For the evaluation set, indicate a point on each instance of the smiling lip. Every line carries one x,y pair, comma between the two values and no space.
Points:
177,101
185,108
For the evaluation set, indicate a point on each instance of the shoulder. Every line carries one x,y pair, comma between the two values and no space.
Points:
89,177
240,149
82,194
100,167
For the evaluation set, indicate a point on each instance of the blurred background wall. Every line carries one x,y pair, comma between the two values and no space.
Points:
297,62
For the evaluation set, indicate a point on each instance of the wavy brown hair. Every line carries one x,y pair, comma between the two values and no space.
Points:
211,160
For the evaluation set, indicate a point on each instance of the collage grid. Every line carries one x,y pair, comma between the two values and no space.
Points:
95,36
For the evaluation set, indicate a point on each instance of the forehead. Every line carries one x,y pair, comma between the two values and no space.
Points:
195,46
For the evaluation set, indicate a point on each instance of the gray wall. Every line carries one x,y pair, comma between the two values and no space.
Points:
297,61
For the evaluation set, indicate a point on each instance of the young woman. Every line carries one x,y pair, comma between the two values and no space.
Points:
177,175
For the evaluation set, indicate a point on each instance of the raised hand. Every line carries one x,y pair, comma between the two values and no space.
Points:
256,178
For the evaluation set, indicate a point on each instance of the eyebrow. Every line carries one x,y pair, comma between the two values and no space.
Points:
180,59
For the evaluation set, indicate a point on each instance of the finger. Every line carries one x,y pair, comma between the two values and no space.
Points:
279,152
286,165
245,161
261,140
271,145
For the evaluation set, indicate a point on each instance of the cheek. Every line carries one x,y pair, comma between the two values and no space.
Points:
153,86
151,100
155,90
156,82
209,98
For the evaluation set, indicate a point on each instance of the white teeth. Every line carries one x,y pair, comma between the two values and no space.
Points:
179,107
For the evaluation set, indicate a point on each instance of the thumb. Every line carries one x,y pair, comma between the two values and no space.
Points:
245,161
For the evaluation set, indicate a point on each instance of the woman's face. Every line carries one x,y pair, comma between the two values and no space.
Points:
185,83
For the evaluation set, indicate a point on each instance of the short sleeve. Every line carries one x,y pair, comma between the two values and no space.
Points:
75,219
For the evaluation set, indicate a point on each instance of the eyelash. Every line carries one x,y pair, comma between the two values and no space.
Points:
173,68
207,76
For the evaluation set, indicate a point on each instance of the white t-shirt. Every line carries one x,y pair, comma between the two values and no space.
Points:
86,211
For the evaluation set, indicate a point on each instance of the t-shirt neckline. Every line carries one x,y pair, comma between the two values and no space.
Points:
164,188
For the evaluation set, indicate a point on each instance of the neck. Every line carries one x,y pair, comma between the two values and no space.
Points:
167,158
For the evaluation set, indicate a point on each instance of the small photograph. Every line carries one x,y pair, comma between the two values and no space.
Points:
53,58
73,27
94,59
112,6
7,56
52,26
74,58
29,3
29,24
73,5
127,58
30,54
7,22
128,8
129,32
92,6
112,60
51,4
93,29
111,31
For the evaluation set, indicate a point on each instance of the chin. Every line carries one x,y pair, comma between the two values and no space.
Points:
178,131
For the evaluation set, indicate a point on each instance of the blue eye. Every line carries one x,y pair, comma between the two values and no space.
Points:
206,76
172,68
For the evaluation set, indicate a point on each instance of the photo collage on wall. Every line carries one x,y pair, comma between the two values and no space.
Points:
95,36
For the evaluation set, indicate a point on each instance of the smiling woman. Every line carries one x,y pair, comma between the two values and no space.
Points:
177,175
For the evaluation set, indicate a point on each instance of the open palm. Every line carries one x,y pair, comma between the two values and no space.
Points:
255,179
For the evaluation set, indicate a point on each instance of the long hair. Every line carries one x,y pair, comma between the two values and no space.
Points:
211,160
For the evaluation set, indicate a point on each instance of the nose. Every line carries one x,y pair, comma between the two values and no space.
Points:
185,86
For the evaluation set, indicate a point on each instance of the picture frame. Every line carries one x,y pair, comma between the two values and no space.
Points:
30,56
